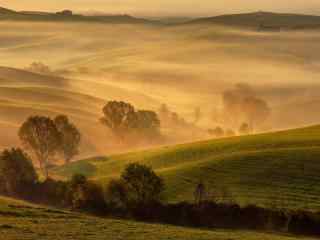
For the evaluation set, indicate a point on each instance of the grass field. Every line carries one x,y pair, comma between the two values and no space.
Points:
20,220
276,169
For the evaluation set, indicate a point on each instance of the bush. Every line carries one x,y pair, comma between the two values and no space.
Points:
85,195
17,175
138,186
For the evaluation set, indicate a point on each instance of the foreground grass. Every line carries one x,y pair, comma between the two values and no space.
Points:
19,220
277,169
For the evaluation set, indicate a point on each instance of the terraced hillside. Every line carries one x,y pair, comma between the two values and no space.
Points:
20,220
277,169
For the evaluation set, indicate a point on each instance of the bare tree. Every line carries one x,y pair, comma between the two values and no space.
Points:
200,193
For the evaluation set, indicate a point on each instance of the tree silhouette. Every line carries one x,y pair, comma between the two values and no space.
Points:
119,117
16,172
70,137
41,136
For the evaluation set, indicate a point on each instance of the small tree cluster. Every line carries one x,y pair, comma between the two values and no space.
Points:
46,138
219,132
125,122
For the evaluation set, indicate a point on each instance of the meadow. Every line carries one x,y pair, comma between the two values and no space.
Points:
274,170
21,220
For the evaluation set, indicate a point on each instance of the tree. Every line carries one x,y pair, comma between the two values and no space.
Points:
217,132
17,174
119,117
138,185
124,121
142,183
117,194
197,115
244,129
256,110
230,133
84,194
70,137
147,123
41,136
200,193
40,68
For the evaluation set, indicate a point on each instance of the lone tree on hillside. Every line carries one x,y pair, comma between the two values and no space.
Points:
17,174
124,120
200,193
244,129
256,110
197,115
70,137
41,136
217,132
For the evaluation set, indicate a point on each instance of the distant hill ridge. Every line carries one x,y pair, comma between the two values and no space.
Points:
261,20
66,15
257,19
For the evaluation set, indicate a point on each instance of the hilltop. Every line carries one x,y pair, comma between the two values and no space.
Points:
267,19
279,168
66,15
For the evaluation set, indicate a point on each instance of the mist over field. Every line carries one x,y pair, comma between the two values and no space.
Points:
186,67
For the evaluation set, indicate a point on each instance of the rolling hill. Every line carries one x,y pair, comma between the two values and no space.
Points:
25,93
8,14
268,19
276,169
21,220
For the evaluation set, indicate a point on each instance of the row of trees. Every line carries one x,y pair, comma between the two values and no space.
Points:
219,132
138,185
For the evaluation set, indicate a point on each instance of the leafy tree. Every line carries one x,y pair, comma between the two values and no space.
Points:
143,184
17,174
147,123
84,194
119,117
70,137
41,136
230,133
217,132
117,194
244,129
138,184
256,110
124,120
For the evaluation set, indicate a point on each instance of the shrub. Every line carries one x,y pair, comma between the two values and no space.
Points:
138,186
17,175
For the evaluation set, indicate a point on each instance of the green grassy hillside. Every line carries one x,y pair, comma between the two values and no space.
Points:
275,169
20,220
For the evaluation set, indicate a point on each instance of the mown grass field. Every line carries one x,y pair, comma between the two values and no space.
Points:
275,170
20,220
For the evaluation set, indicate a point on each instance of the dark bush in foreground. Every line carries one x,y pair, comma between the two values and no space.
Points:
138,186
17,175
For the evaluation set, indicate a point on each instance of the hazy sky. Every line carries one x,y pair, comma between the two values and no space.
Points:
168,7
